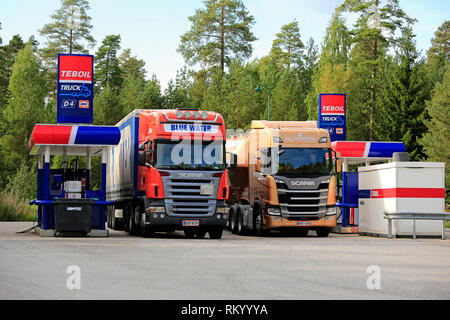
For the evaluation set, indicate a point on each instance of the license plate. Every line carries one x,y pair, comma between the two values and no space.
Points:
206,189
304,223
191,223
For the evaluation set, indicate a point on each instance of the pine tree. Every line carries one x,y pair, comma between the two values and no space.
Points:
219,33
107,69
439,53
287,48
401,110
373,33
69,32
131,65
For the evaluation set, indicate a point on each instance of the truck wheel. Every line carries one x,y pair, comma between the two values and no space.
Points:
189,234
215,234
200,234
134,228
233,220
240,230
147,232
259,223
323,233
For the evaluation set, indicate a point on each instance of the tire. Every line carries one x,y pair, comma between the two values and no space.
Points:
215,234
126,217
233,220
189,234
258,222
200,234
134,228
322,233
147,232
240,230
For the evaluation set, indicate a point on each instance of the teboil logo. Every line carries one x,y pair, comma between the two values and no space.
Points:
75,69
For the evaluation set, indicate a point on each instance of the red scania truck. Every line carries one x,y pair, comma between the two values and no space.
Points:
169,173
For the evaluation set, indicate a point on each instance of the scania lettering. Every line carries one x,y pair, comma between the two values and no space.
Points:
169,173
281,178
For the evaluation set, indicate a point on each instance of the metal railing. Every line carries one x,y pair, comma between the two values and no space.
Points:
444,216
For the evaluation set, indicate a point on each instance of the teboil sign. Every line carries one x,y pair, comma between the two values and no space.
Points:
75,88
332,115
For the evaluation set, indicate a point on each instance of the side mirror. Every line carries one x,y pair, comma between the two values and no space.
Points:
141,159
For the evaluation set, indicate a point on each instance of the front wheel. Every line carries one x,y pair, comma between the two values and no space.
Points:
216,234
323,233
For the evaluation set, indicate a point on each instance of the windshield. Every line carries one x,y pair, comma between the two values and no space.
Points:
304,161
190,155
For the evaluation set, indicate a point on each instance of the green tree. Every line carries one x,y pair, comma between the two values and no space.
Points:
437,139
287,48
108,110
178,93
8,55
219,32
401,110
373,33
69,32
107,69
131,65
331,74
25,107
439,53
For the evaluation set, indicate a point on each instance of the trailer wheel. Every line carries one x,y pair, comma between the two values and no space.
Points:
322,233
215,234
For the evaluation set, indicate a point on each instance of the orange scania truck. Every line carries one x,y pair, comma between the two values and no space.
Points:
281,177
169,173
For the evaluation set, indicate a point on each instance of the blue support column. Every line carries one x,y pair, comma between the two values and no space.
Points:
46,193
103,191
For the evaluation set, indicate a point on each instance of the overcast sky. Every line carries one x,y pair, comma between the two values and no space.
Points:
152,28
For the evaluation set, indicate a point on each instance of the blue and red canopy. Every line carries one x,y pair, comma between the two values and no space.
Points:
367,150
72,137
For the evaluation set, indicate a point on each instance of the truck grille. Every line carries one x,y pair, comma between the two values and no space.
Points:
183,196
303,204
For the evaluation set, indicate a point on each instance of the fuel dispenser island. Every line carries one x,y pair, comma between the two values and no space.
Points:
65,199
356,154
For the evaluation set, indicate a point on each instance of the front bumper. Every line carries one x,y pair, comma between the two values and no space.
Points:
163,221
277,222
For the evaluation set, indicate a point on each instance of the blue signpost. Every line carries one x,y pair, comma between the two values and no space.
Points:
332,115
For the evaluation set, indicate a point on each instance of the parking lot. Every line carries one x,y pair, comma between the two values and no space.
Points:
233,268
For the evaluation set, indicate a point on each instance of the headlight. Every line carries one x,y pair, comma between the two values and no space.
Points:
156,210
331,211
323,140
222,210
274,211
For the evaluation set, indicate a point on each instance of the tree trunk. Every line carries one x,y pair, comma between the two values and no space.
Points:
222,38
70,41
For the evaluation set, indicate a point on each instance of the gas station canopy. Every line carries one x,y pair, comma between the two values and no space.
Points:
72,140
357,152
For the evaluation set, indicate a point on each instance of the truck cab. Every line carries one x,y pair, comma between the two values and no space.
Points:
181,175
290,184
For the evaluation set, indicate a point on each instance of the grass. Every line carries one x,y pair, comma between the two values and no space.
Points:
14,209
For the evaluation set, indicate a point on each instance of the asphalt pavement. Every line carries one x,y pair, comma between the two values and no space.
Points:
169,266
